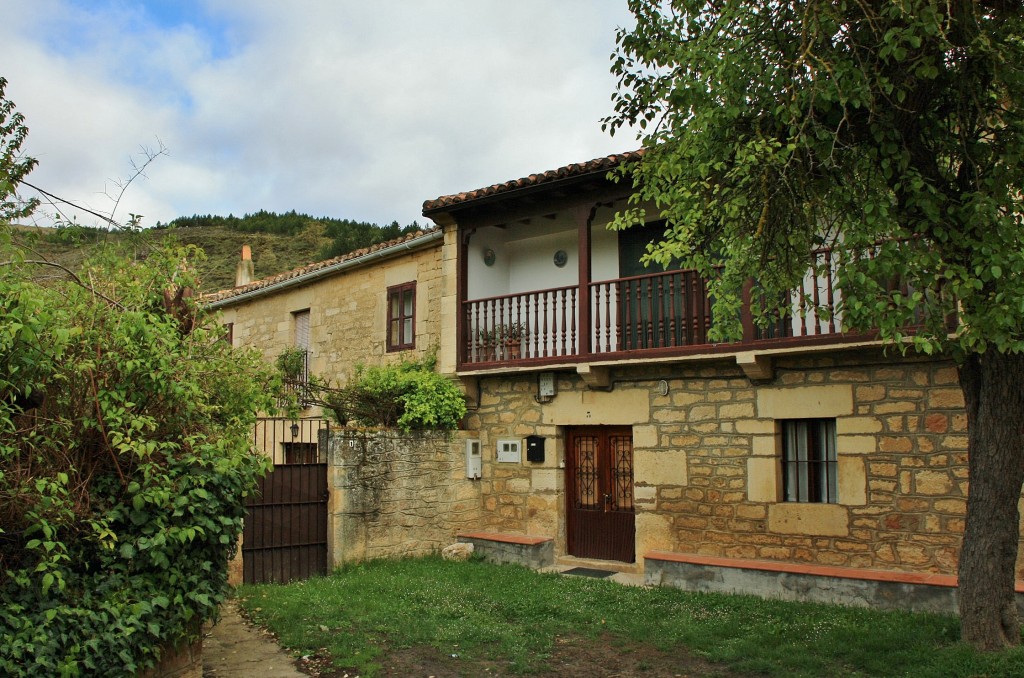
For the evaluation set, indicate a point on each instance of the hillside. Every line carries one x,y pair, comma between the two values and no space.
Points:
272,253
279,242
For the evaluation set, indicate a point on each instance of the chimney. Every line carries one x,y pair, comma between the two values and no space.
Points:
244,272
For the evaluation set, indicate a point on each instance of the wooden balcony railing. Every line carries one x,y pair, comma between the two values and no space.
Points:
528,326
658,313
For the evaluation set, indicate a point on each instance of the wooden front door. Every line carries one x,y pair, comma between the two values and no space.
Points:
599,493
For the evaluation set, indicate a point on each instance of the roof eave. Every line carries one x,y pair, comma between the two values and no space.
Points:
497,194
411,245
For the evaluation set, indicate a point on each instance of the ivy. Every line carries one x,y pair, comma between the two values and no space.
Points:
125,461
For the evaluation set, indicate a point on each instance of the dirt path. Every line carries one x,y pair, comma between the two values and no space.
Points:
233,649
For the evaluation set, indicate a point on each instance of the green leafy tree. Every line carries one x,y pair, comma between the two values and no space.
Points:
123,481
125,452
889,130
13,165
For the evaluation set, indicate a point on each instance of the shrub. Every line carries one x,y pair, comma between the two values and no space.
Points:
409,395
291,362
121,493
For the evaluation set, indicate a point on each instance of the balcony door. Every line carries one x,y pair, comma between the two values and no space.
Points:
657,308
600,518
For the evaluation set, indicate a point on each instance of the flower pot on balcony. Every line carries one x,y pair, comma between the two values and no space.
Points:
512,336
486,343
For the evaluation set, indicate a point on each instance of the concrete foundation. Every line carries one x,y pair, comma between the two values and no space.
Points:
532,552
878,590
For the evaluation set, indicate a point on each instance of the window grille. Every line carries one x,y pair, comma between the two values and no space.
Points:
809,465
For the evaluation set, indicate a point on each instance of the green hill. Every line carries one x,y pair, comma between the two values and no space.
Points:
279,242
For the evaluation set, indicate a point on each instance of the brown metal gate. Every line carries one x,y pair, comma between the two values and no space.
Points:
285,533
600,519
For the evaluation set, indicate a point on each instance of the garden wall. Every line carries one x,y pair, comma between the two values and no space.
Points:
397,494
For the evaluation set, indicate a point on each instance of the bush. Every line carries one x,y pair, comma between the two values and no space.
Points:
122,493
409,396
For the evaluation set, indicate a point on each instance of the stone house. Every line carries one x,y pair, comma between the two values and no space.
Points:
384,303
373,305
800,462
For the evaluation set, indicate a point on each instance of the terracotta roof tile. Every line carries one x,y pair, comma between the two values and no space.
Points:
577,169
270,281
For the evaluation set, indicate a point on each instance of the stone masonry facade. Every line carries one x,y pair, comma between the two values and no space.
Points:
347,314
707,458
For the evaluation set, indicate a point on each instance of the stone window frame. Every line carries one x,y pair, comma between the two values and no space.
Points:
399,319
301,328
815,439
764,466
301,338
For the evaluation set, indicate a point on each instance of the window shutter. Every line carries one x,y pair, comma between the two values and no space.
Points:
302,329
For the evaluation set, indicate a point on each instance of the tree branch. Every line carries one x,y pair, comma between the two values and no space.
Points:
70,274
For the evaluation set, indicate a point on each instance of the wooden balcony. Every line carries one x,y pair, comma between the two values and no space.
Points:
660,314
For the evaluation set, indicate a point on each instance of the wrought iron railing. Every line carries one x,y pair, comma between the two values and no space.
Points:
296,385
291,441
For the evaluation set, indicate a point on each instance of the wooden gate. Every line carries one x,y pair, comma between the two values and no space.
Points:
600,519
285,534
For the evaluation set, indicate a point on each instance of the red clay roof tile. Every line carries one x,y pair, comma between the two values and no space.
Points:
270,281
577,169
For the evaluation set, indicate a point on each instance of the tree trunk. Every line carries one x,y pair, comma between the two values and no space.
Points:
993,387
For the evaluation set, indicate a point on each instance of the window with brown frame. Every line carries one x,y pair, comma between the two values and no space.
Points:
401,316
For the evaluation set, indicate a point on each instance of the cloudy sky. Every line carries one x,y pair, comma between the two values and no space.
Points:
356,109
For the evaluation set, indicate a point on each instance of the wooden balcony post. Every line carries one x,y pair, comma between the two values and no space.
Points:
583,217
463,326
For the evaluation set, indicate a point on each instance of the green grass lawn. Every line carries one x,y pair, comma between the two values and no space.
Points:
511,618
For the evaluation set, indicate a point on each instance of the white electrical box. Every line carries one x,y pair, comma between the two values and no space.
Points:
473,463
546,385
510,451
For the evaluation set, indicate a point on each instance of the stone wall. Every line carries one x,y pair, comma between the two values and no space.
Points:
347,314
707,467
397,494
181,660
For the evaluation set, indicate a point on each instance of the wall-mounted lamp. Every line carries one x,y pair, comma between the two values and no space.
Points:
545,387
294,429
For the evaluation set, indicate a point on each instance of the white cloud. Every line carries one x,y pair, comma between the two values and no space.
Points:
347,109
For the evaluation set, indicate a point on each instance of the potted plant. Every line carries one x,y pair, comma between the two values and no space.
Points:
512,335
486,339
